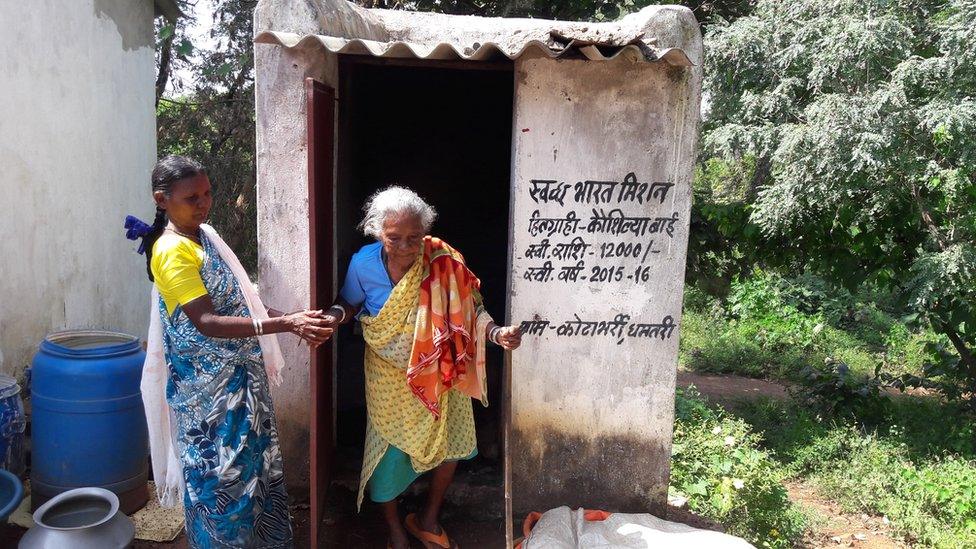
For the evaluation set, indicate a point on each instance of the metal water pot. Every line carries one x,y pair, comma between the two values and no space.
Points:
83,518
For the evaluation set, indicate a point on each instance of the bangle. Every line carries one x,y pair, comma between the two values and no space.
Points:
493,335
260,326
254,324
342,311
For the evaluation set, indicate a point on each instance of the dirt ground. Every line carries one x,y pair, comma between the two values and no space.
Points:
472,515
726,390
840,529
344,528
835,527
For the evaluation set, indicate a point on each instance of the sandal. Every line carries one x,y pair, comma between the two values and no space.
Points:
429,539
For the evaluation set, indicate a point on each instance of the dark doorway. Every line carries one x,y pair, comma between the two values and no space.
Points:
446,133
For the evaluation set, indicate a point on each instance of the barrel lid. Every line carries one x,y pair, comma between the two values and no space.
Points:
89,344
89,339
8,386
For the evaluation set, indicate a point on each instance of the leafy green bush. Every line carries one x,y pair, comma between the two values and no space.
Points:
717,465
773,327
758,335
712,343
905,350
697,300
933,502
772,320
943,371
949,490
835,391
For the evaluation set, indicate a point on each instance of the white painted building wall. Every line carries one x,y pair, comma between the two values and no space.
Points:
77,145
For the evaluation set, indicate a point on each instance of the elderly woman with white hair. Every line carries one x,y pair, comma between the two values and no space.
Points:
425,329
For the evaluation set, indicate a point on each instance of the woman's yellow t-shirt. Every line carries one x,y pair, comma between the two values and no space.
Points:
175,264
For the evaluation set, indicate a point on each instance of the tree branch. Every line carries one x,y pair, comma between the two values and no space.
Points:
927,219
199,103
965,353
162,76
238,80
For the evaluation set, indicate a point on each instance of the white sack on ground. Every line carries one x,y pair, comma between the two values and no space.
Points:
563,528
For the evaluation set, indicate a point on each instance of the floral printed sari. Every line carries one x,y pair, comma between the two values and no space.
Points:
225,430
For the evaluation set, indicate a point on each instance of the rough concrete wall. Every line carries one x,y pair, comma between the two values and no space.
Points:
593,404
283,238
77,144
583,103
671,27
330,17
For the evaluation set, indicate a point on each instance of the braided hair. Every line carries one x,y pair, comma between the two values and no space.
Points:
168,170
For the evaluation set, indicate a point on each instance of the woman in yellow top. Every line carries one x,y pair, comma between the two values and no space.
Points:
224,427
425,329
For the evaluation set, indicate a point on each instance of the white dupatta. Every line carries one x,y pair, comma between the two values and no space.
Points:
167,468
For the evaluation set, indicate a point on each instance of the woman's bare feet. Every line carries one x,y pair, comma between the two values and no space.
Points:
399,540
398,535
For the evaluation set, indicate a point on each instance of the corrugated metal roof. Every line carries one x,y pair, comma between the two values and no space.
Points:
556,47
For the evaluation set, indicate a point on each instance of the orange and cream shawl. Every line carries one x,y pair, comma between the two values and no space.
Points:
446,349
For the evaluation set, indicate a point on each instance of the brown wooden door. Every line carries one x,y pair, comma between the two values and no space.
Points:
321,206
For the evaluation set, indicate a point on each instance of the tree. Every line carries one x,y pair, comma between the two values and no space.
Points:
212,119
865,111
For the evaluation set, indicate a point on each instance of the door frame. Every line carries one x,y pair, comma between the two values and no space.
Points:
320,127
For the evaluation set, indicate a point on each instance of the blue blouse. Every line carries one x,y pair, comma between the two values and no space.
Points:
367,283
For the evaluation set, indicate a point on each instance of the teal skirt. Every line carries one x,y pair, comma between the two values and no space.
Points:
395,474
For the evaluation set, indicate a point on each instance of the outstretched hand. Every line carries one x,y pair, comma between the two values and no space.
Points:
311,326
509,337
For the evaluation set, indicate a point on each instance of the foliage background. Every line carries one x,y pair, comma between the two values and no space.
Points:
211,117
856,119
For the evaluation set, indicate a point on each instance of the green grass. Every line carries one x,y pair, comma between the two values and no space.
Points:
910,459
917,468
713,344
770,327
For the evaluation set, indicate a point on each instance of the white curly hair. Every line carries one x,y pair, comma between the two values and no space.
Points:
395,201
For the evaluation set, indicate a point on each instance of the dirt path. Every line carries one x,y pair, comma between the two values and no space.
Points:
840,529
836,528
726,390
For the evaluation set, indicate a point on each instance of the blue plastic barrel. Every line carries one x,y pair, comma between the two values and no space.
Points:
12,424
88,423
